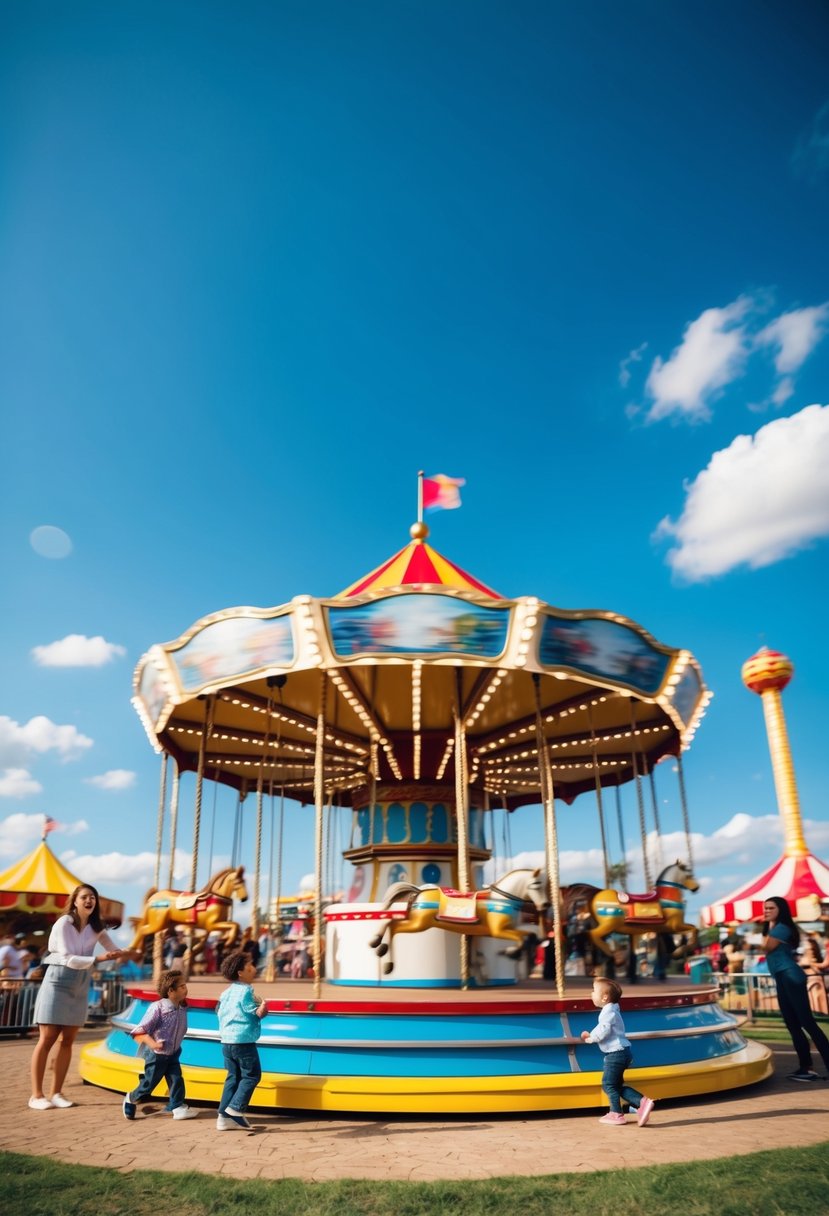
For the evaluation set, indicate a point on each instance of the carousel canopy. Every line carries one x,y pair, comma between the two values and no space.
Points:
407,650
802,880
417,563
40,885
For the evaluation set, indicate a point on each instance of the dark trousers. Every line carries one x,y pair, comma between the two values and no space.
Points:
793,999
243,1073
613,1080
161,1068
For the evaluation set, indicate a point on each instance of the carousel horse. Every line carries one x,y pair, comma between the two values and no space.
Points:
661,910
493,912
205,912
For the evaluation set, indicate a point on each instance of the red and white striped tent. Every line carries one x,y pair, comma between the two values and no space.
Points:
802,880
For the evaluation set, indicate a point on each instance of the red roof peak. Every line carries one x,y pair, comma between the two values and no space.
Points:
417,563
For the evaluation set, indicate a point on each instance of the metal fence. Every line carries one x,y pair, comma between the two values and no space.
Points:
107,996
749,992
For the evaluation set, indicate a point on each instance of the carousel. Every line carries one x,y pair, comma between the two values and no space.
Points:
428,708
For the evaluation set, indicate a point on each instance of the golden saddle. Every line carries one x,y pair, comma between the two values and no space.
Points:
457,907
641,909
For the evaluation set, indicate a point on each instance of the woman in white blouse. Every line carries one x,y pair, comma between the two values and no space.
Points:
62,1002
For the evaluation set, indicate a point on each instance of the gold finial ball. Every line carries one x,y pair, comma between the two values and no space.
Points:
767,670
419,531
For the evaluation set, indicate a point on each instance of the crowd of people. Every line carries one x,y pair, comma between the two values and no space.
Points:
800,974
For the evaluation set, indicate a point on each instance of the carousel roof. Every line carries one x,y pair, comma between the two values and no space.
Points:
40,884
803,880
417,563
406,649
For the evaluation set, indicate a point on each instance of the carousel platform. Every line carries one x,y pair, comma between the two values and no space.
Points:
417,1051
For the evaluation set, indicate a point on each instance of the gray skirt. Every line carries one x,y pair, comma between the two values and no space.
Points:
63,999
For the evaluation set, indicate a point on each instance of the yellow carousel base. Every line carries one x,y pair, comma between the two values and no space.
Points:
443,1095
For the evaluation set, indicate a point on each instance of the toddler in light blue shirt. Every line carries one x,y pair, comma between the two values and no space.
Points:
609,1035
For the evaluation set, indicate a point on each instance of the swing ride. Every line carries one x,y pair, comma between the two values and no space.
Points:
424,703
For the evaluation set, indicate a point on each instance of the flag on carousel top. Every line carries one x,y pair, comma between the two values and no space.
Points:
442,493
49,825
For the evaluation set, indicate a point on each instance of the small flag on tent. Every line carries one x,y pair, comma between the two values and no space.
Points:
442,493
49,825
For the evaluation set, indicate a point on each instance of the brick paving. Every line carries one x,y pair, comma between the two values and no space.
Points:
94,1132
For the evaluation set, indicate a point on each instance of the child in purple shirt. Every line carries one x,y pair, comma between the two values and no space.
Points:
160,1033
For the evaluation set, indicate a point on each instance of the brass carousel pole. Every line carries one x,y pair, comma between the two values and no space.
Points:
686,822
640,801
207,729
158,941
545,772
655,808
159,835
599,805
260,788
462,818
319,803
174,797
623,877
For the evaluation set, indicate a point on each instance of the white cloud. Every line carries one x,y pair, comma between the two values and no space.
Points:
715,350
758,501
115,779
746,844
18,783
783,391
795,335
712,353
635,356
19,832
75,650
39,735
106,870
811,154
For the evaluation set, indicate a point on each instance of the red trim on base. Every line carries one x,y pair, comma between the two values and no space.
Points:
461,1007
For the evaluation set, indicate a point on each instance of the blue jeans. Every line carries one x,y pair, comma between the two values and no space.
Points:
161,1068
243,1073
793,999
613,1080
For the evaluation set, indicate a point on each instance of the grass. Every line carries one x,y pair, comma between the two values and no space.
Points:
772,1028
776,1182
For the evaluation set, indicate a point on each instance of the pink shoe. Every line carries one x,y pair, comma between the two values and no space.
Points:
645,1111
612,1117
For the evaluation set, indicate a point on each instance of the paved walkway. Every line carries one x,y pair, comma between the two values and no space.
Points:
302,1146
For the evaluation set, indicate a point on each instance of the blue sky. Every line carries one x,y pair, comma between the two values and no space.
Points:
260,266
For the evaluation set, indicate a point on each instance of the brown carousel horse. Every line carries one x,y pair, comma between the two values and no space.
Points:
205,912
661,910
493,912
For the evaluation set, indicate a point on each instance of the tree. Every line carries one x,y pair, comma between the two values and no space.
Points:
617,874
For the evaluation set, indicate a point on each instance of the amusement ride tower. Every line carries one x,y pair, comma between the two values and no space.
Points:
798,875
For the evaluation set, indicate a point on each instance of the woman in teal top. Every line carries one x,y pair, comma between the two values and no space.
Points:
781,936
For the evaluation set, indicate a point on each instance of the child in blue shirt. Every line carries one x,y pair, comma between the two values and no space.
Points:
240,1018
609,1034
160,1033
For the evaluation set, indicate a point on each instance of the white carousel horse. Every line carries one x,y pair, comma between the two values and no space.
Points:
493,912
